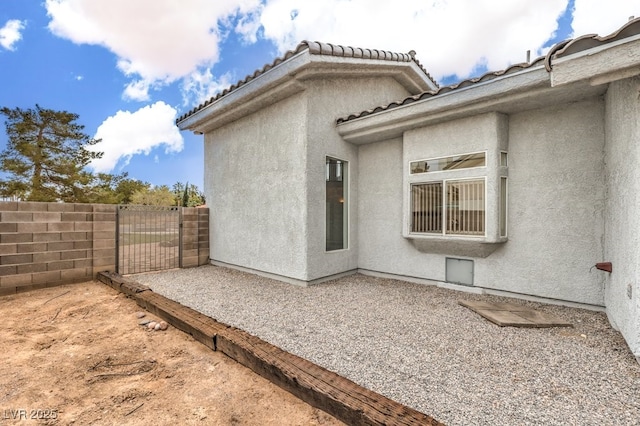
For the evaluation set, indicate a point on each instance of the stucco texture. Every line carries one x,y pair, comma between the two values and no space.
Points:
255,184
555,209
382,247
265,179
330,99
556,205
622,223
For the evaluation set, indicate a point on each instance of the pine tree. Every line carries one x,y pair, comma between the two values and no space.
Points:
114,189
187,195
45,156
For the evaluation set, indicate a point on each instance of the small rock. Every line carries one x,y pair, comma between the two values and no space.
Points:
163,325
157,327
151,325
144,321
140,314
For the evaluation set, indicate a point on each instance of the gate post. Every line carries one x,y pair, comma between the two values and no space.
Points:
180,235
118,209
189,254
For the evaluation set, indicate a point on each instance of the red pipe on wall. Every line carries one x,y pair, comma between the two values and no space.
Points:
604,266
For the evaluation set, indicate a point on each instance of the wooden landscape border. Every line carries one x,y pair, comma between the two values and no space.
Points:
315,385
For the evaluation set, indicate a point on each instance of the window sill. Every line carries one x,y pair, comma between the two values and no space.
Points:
456,245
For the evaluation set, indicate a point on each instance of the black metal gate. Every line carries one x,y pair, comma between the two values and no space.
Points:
149,238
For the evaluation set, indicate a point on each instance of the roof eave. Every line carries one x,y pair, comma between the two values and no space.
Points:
481,97
289,77
408,74
574,70
608,62
252,91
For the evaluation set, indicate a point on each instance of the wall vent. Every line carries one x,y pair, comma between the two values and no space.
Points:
459,271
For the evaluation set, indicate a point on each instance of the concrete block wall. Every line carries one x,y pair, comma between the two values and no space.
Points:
47,244
195,236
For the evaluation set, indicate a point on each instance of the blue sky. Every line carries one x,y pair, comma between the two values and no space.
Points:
128,68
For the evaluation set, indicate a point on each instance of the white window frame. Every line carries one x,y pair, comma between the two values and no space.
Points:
503,202
449,156
443,225
346,197
504,155
492,173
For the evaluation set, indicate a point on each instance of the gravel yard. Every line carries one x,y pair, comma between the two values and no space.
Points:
416,345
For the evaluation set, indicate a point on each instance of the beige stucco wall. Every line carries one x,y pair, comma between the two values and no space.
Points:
556,205
381,245
265,180
255,186
330,99
622,220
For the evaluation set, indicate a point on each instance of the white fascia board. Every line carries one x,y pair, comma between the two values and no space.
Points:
408,74
243,95
475,99
599,65
286,79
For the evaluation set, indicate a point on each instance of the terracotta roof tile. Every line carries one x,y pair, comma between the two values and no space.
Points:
590,41
460,85
315,48
561,49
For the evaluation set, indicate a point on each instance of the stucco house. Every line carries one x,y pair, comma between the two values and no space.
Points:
334,160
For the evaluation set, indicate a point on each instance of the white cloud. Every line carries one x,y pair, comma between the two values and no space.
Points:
126,134
157,41
201,85
10,33
602,17
451,37
249,24
137,91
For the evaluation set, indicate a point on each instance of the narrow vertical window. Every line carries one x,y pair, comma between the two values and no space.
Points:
503,206
336,204
503,159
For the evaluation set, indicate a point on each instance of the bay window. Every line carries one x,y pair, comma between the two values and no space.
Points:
449,207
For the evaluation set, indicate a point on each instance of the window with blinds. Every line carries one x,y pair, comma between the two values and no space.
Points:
426,202
453,207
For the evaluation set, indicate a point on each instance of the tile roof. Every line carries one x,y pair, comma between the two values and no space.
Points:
561,49
589,41
317,48
464,83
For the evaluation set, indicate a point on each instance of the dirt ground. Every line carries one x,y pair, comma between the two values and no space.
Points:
76,355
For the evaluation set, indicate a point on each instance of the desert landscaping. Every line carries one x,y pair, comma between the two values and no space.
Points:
76,354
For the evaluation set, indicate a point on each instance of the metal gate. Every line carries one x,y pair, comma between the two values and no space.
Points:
149,238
